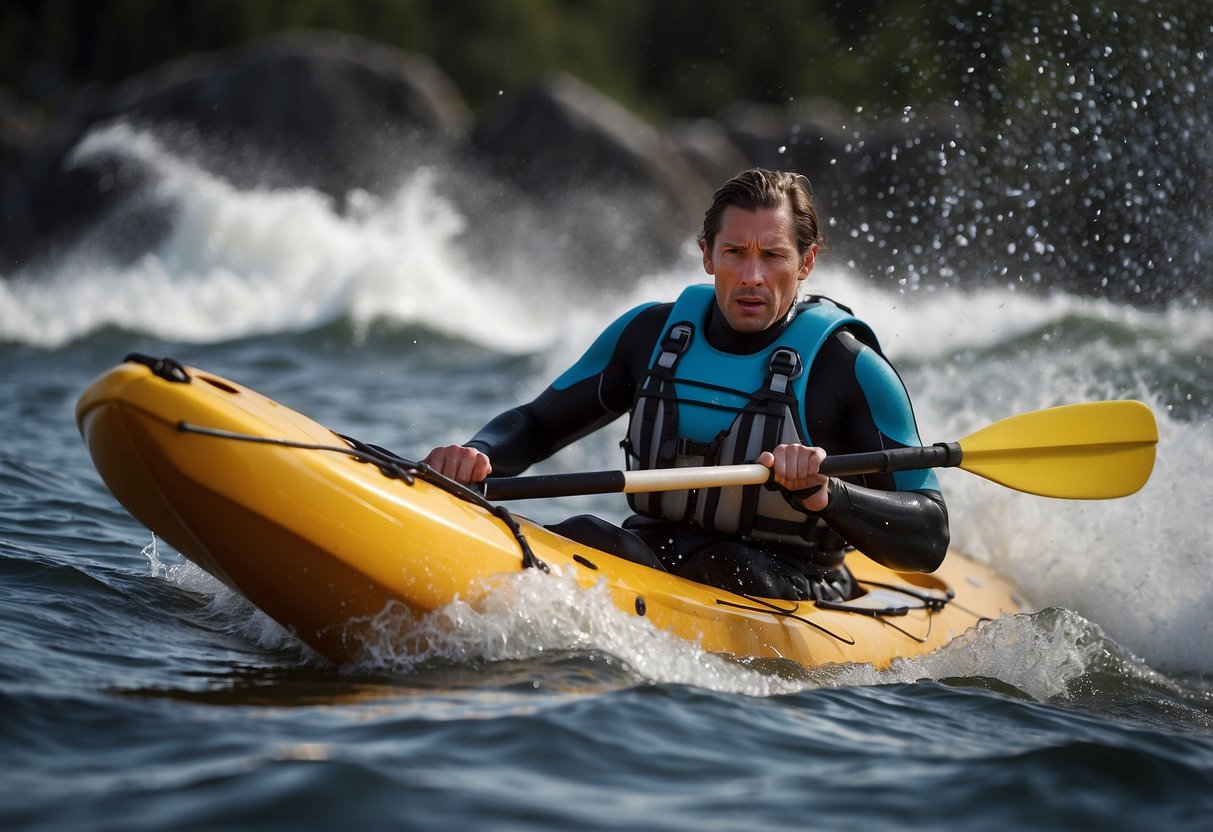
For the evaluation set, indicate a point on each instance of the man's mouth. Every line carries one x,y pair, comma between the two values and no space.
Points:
750,304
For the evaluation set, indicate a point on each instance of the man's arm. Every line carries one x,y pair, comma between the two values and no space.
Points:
903,530
857,402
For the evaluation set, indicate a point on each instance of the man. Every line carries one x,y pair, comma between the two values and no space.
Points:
739,372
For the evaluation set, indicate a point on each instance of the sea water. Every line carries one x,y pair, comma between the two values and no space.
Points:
136,692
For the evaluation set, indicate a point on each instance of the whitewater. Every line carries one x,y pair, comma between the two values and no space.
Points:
373,316
240,264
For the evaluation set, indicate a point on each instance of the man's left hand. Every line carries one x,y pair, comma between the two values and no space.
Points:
795,468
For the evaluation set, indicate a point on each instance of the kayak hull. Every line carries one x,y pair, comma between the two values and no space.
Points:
325,543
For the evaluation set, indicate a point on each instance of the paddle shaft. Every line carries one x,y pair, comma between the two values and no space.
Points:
941,455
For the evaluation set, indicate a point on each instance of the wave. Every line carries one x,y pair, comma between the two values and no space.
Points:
236,263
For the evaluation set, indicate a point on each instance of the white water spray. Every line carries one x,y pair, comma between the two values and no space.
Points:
241,263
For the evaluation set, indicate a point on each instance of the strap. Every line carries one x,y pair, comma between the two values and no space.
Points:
657,404
659,388
682,447
774,405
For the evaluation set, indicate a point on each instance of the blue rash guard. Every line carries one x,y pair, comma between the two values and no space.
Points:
854,402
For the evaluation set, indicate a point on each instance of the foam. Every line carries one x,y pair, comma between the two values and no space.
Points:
239,263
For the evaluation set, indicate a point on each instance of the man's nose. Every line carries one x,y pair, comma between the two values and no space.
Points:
752,270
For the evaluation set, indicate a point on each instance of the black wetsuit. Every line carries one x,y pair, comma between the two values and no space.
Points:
899,520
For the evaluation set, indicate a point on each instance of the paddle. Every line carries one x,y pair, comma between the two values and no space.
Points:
1090,451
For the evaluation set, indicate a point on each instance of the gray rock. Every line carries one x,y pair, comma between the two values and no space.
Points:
616,180
708,148
294,109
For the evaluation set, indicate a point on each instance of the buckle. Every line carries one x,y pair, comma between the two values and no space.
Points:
678,338
786,362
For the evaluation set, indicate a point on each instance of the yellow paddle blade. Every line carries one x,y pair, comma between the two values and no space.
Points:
1088,451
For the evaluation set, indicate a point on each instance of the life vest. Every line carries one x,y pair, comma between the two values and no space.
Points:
700,406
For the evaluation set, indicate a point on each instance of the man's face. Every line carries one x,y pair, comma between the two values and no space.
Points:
756,265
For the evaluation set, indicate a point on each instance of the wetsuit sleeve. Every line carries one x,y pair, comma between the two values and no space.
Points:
904,530
589,395
856,403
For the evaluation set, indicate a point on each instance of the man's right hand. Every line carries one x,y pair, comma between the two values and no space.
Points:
460,463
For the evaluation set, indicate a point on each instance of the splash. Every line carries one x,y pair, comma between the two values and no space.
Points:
225,610
1077,155
1040,655
528,615
530,619
531,615
1130,564
239,263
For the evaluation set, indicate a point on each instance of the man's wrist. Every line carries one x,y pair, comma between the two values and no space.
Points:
806,493
811,498
832,488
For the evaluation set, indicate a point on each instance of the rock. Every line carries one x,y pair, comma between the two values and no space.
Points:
318,95
612,181
294,109
20,127
708,148
312,85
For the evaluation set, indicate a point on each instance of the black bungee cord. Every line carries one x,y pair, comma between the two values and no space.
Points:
391,466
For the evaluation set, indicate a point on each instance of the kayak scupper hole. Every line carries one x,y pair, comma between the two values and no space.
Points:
640,605
222,385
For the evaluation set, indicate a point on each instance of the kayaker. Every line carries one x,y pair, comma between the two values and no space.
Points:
739,372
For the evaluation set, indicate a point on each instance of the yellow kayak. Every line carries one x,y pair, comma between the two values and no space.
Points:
324,534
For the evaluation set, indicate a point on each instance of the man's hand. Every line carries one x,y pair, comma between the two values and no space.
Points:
795,468
460,463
